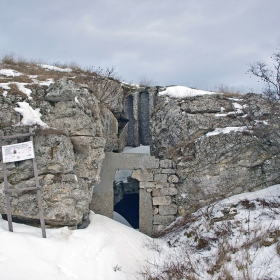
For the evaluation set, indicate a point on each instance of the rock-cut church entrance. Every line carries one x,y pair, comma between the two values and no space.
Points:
128,199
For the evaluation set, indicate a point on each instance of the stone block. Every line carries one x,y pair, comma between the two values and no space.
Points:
152,164
168,171
163,220
160,178
156,210
156,192
146,185
158,228
143,175
168,191
166,210
173,179
146,213
166,163
162,200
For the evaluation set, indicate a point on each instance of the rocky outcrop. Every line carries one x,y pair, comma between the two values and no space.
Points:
69,153
221,146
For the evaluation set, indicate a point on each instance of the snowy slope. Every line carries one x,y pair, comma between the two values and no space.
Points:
237,238
104,250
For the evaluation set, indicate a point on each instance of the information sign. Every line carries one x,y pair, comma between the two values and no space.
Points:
17,152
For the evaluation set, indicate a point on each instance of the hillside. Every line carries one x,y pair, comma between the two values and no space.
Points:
203,193
237,238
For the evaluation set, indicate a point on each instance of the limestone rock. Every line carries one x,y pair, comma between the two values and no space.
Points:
211,166
69,153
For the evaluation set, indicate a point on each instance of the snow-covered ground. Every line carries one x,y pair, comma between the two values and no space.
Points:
238,236
104,250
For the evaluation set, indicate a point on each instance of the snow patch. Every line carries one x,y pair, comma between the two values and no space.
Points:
29,115
22,88
227,130
122,175
54,68
9,73
181,92
137,150
120,219
90,253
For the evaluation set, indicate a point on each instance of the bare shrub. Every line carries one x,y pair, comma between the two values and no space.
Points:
228,91
145,82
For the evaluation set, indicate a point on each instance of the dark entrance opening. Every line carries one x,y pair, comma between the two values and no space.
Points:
128,207
144,118
126,200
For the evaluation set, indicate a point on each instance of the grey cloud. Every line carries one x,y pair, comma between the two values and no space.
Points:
193,43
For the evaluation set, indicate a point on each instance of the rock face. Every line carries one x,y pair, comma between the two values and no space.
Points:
221,146
69,153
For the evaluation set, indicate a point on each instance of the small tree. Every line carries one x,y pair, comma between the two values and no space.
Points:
270,75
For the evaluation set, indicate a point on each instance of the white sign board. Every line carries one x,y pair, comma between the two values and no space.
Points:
17,152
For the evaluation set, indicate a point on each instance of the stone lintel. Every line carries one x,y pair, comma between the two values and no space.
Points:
143,175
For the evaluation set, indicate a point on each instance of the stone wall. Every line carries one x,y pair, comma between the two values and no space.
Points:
158,188
221,145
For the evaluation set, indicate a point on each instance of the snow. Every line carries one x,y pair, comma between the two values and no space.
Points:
182,92
240,236
9,72
269,192
5,86
122,175
54,68
137,150
22,88
238,109
29,115
120,219
106,249
227,130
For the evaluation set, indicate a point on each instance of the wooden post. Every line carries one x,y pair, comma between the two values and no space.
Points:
7,194
37,188
39,197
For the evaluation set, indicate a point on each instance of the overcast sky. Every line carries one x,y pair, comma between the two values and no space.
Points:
196,43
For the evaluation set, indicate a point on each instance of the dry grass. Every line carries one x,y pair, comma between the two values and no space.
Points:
15,91
101,82
230,92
